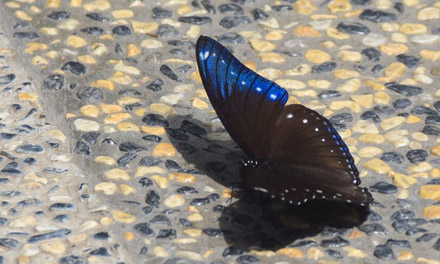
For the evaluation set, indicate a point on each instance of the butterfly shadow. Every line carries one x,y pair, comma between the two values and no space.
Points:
251,220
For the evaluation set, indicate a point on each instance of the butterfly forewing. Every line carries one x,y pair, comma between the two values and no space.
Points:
296,154
244,101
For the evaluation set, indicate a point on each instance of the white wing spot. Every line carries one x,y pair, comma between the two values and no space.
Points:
305,121
323,140
289,115
316,129
243,82
319,191
286,191
259,89
260,189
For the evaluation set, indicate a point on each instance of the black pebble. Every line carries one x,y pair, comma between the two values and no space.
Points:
130,147
91,137
184,222
98,17
155,85
53,82
178,134
377,16
101,236
152,138
59,15
92,30
334,253
353,28
370,115
208,6
126,158
9,243
212,232
259,14
7,79
361,2
432,120
230,8
168,72
423,110
392,157
230,38
186,190
409,61
143,229
102,251
62,218
436,245
81,148
121,30
234,21
29,161
11,168
372,54
437,106
324,67
62,207
166,31
373,229
377,68
417,155
30,149
280,8
159,12
384,188
384,252
401,103
431,130
155,120
74,67
399,7
54,234
426,237
147,209
152,198
335,242
149,161
401,225
329,94
160,220
407,90
25,36
21,25
192,128
402,214
145,182
166,233
383,110
200,201
398,243
247,259
196,20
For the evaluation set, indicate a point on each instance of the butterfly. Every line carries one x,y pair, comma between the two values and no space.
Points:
295,153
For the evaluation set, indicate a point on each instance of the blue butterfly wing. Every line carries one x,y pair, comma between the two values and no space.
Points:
246,103
299,155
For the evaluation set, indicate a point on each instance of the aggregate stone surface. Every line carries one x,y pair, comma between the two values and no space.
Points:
111,152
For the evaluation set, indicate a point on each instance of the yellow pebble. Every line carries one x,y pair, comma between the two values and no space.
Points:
261,45
405,255
27,97
116,174
115,118
126,189
395,70
198,103
305,31
175,200
22,15
128,236
161,182
377,166
89,110
75,41
107,160
97,5
158,131
431,212
334,33
317,56
127,127
164,150
345,74
271,57
123,217
290,252
122,13
410,29
337,6
132,50
430,192
304,7
196,217
87,59
181,177
108,188
143,27
393,48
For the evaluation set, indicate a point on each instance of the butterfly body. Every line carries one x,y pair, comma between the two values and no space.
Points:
295,153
